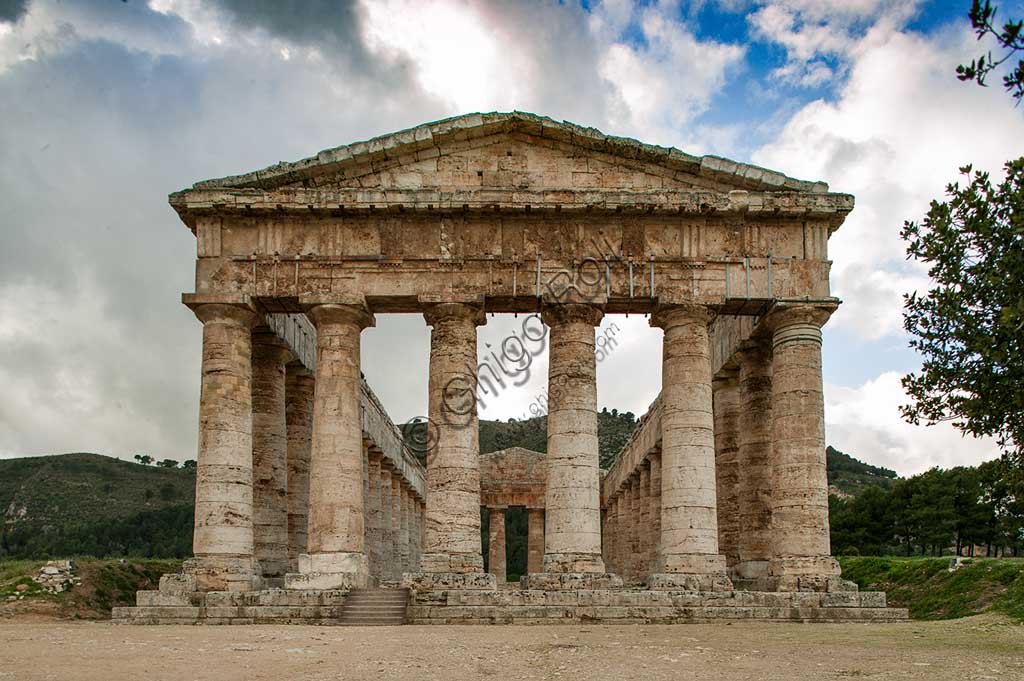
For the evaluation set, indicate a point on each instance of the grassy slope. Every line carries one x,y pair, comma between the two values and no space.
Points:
105,584
931,592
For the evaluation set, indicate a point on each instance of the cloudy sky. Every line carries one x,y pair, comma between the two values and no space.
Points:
107,106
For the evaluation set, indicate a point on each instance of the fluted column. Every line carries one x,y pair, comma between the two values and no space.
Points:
655,461
269,455
299,387
336,556
644,519
726,405
572,502
496,543
754,457
223,536
689,523
387,524
373,533
535,540
453,466
401,526
800,531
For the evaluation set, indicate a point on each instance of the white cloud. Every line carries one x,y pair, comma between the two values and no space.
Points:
865,422
895,136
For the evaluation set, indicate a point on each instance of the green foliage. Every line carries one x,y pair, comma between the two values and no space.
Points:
969,327
167,463
1010,38
930,591
852,476
85,503
932,512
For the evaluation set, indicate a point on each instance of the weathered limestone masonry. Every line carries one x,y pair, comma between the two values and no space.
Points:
716,508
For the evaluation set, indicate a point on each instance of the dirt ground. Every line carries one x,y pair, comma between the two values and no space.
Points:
978,648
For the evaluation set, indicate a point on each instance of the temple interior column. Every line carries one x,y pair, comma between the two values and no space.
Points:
726,410
754,457
633,547
270,456
299,387
572,541
496,544
535,540
373,531
223,536
607,533
689,524
452,542
801,557
336,555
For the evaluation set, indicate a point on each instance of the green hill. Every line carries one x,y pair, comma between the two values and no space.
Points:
848,477
92,504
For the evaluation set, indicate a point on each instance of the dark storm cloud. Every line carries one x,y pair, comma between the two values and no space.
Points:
330,23
12,10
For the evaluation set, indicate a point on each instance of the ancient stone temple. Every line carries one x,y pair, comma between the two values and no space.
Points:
308,498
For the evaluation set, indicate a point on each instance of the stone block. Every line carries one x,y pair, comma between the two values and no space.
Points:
840,599
872,599
332,581
434,581
673,581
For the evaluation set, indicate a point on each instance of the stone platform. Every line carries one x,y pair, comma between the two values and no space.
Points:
516,606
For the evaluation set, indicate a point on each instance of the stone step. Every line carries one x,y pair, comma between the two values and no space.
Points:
375,607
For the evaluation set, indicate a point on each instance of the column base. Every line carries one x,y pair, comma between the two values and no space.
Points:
574,563
749,569
221,573
561,581
806,574
680,581
335,571
444,581
454,563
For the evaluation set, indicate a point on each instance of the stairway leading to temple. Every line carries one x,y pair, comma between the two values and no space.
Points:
369,607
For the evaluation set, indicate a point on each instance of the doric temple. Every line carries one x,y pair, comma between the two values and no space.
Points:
312,507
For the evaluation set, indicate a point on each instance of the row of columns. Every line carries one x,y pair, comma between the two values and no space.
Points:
239,445
741,466
497,545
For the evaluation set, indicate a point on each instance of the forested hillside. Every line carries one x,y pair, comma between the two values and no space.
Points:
96,505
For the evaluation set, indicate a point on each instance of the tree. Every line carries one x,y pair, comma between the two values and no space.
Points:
969,327
144,459
167,463
1010,38
189,464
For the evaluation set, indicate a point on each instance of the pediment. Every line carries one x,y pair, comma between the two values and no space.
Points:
511,151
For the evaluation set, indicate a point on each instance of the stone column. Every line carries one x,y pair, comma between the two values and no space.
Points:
572,541
387,524
754,457
299,386
644,521
535,540
689,523
726,406
452,543
633,563
608,534
415,532
801,557
270,456
373,548
223,537
655,461
336,557
496,545
399,522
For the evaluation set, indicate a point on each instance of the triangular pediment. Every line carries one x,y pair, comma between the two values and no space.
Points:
516,151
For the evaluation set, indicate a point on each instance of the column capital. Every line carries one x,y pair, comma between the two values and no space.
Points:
231,313
555,314
668,316
725,378
787,314
435,313
337,313
267,344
